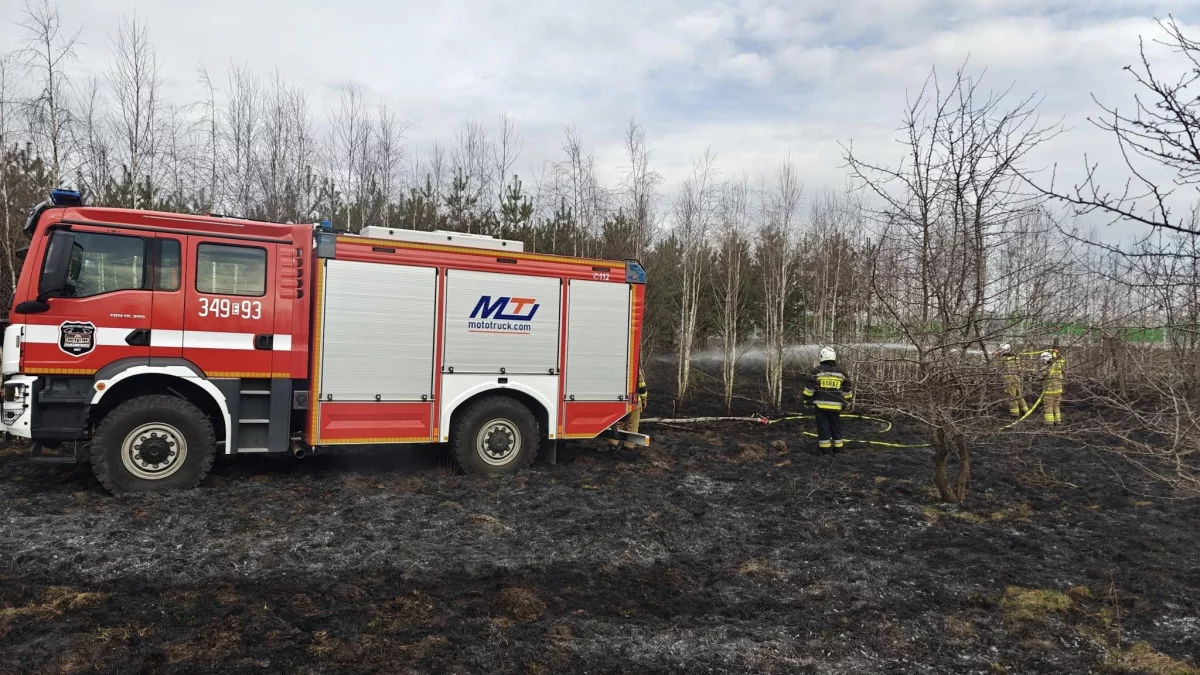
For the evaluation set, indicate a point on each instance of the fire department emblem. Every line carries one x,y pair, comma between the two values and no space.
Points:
77,338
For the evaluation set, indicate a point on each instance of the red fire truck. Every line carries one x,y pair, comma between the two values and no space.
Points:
151,341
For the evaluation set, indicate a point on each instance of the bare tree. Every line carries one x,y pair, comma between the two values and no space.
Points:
241,127
177,157
779,214
135,83
1155,278
93,142
348,145
1160,133
211,133
10,235
578,189
640,187
472,158
389,156
730,281
941,209
286,150
505,152
694,210
47,52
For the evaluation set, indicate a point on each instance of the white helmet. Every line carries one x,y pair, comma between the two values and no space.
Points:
827,354
1005,348
1046,356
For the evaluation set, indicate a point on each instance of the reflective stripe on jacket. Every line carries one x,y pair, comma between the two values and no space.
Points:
829,387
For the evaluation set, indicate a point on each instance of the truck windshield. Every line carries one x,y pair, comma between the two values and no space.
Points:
103,263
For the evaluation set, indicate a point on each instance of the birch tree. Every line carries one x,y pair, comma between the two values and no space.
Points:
694,211
135,83
11,235
241,126
729,281
640,185
389,157
779,207
47,52
348,145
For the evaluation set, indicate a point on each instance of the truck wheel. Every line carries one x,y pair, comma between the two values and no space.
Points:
153,444
495,435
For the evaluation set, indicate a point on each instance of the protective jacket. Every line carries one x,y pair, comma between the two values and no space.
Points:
829,387
1012,369
642,393
1054,376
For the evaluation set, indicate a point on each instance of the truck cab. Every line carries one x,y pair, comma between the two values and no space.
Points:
107,304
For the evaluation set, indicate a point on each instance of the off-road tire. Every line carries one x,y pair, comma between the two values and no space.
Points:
110,435
470,422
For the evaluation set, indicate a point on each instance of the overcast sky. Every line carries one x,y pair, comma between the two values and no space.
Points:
753,79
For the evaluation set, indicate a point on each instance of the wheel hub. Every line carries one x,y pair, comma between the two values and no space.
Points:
498,442
154,451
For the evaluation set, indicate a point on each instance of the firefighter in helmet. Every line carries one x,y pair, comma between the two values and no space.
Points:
1011,364
1052,389
829,389
633,420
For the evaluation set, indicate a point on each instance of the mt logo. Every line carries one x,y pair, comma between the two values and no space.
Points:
502,315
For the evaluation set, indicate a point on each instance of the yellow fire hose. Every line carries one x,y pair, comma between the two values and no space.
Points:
886,428
759,419
887,424
1022,417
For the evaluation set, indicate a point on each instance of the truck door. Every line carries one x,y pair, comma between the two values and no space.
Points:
229,307
104,312
167,273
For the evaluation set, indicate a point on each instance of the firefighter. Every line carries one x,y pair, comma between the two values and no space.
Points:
1052,373
1012,380
633,420
829,389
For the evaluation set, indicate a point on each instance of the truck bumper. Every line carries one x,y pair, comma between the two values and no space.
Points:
17,409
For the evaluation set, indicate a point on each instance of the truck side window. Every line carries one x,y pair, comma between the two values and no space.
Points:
104,263
166,265
223,269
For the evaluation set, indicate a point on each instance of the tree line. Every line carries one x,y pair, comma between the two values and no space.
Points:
918,268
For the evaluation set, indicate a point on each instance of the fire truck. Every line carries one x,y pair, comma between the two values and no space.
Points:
145,343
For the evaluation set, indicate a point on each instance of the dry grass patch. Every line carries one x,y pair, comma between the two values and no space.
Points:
750,453
488,522
959,627
1080,592
1033,604
1144,658
519,603
54,602
756,568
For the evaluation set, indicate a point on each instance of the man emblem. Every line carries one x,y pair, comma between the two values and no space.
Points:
77,338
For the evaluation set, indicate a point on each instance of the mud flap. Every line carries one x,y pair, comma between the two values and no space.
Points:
550,451
632,437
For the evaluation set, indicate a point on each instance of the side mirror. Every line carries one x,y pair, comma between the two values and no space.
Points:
58,262
31,307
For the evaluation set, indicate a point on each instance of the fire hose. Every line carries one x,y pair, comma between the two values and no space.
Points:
789,417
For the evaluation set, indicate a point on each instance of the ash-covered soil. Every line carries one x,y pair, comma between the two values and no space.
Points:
721,549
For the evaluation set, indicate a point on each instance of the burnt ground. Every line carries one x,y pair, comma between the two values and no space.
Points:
721,549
